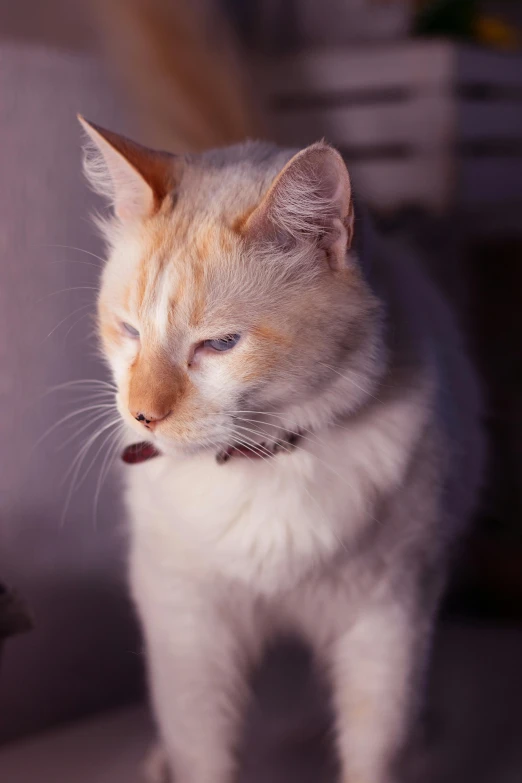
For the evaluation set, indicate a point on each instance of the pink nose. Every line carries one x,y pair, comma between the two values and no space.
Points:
149,420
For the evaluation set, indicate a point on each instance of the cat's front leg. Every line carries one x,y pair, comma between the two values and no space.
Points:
377,668
197,659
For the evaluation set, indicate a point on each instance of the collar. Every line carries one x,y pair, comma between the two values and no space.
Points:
286,443
143,451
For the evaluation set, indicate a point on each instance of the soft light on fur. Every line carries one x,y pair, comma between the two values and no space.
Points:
344,540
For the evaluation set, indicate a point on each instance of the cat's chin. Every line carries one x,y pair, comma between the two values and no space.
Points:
179,451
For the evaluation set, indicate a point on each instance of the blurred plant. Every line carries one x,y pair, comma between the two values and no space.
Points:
464,20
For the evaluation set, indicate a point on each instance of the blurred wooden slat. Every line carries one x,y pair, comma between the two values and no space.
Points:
428,124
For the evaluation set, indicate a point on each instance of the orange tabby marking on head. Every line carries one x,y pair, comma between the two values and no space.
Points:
178,295
269,334
142,281
225,241
205,242
198,295
255,367
267,353
238,225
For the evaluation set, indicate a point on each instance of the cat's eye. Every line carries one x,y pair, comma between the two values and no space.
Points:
130,330
223,343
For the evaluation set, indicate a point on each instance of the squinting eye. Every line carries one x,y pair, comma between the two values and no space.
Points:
223,343
131,331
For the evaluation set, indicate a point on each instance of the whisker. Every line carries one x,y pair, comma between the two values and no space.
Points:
302,428
76,261
78,462
314,439
86,446
70,315
277,427
100,394
79,249
260,413
254,432
254,448
255,443
69,330
79,432
82,382
66,290
105,468
64,419
350,380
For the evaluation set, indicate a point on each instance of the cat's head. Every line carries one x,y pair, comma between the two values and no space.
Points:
231,304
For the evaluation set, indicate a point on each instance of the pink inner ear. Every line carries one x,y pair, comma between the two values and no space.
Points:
138,179
310,198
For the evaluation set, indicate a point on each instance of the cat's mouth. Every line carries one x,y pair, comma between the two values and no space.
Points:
139,452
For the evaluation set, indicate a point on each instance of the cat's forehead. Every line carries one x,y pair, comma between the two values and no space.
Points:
225,183
187,270
188,260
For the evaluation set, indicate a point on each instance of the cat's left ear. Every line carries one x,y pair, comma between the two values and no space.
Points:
135,179
309,201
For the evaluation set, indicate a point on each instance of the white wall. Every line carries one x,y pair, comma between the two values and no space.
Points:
83,653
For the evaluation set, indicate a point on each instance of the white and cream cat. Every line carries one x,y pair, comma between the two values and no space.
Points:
315,426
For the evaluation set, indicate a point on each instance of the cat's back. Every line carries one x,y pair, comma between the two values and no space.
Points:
424,331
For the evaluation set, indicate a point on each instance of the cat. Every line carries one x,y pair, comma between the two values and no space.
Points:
315,428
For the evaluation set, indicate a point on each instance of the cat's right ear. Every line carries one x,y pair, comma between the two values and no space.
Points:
310,201
135,179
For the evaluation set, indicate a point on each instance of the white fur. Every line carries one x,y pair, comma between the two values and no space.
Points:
220,560
267,522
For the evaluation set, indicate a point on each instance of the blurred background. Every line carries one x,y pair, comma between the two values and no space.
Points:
424,99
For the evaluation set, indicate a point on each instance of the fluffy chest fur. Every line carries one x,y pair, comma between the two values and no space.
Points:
268,522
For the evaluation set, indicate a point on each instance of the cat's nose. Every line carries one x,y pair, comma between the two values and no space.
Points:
149,419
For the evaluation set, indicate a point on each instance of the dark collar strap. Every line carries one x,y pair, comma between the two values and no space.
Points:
141,452
286,444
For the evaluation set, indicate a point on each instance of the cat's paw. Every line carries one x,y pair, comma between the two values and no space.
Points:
156,767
